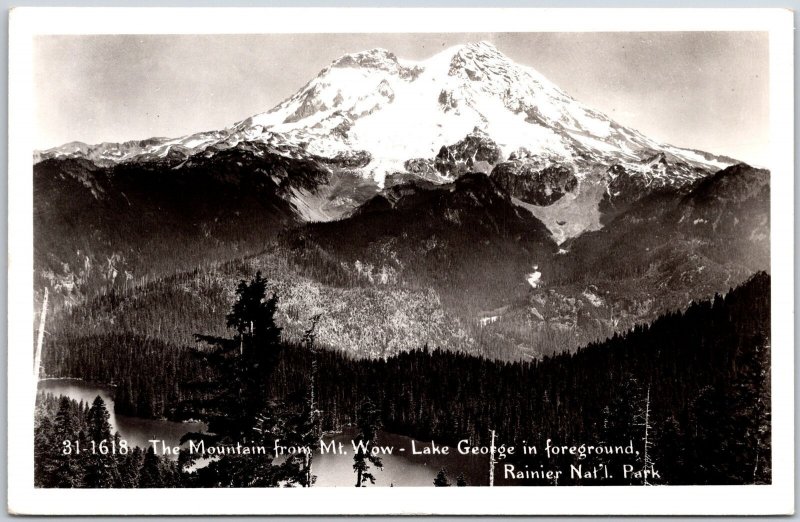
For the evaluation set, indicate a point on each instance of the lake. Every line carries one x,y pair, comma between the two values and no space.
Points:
401,468
135,430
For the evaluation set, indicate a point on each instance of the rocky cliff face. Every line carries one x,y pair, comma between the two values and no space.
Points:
532,183
475,153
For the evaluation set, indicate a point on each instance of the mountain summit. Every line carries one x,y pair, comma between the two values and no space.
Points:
398,110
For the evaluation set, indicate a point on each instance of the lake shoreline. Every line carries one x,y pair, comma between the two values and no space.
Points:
400,467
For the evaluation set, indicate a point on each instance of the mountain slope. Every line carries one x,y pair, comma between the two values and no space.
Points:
466,239
671,247
414,266
98,227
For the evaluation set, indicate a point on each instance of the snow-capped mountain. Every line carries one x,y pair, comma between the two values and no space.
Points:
397,110
468,108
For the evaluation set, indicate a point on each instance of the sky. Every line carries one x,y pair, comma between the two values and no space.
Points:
703,90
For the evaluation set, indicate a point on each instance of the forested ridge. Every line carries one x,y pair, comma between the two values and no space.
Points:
706,370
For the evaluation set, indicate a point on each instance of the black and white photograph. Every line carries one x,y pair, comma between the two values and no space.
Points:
540,260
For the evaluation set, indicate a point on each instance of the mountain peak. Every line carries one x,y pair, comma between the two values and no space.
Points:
377,58
483,44
474,48
481,48
483,62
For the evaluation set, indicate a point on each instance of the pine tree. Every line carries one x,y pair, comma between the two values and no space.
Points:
185,461
130,467
150,474
244,362
761,415
461,481
308,431
45,445
441,479
67,472
239,408
100,469
99,427
66,425
369,424
644,422
670,452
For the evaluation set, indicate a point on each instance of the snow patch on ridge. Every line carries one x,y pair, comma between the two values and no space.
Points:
534,278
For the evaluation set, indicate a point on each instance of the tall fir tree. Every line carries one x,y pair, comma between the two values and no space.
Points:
239,408
45,445
100,464
244,362
369,424
98,419
68,472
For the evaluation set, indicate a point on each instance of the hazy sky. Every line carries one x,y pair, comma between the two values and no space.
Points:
708,91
